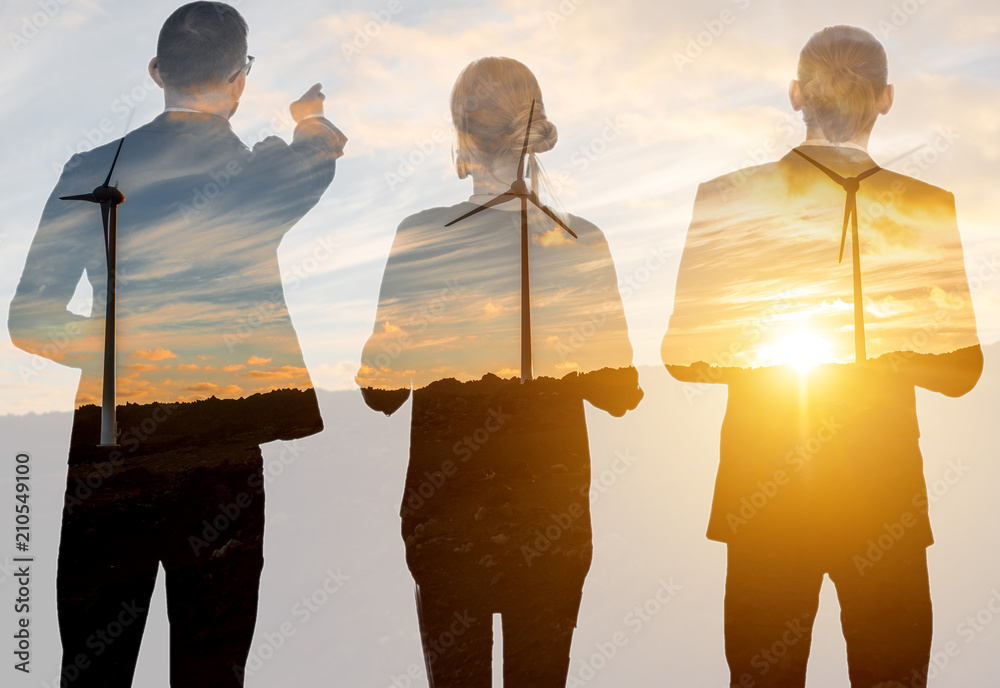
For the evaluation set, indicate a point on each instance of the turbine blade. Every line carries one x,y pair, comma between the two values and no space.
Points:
502,198
823,168
545,209
80,197
114,162
117,152
524,149
868,173
843,235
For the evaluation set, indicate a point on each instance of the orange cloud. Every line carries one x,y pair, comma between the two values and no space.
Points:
157,354
282,373
202,387
233,368
257,360
143,367
554,237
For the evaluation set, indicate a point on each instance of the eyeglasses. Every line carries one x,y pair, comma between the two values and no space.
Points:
244,68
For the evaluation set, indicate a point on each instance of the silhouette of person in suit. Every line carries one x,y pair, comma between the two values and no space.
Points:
820,470
208,363
495,512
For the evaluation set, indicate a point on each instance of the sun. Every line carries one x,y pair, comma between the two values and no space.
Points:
801,350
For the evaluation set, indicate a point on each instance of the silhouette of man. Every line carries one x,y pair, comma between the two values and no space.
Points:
208,363
820,469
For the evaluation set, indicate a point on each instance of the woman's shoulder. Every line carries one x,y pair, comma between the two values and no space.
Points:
433,216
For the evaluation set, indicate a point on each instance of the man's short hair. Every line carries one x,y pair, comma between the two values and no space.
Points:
201,43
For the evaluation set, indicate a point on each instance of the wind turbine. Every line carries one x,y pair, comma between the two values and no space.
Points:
110,198
851,186
519,189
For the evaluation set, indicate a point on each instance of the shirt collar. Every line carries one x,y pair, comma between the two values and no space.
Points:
825,142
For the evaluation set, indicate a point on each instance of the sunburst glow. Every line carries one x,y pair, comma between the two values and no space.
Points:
801,350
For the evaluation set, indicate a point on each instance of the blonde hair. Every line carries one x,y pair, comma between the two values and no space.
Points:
843,71
490,104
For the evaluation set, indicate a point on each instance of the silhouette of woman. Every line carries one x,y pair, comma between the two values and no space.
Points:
820,470
495,513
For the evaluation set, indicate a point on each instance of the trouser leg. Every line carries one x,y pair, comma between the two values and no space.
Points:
213,566
106,572
537,634
886,617
457,638
771,603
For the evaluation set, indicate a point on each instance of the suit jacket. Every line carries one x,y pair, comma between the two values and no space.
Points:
492,461
814,447
201,314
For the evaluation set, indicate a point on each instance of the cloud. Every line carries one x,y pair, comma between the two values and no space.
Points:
143,367
257,360
212,388
281,373
491,309
232,368
556,236
157,354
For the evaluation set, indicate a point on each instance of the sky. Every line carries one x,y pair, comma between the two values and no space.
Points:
650,99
